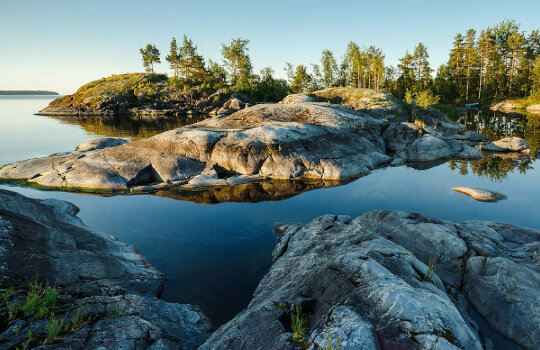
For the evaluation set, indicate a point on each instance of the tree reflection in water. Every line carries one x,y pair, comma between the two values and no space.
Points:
497,166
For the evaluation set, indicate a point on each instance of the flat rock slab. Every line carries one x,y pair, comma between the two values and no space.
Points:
480,195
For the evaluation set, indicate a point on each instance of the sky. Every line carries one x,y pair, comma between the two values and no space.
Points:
60,45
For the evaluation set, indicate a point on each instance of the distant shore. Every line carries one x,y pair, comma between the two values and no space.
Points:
28,92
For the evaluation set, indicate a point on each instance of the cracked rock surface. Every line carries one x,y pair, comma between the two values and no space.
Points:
302,140
366,282
110,281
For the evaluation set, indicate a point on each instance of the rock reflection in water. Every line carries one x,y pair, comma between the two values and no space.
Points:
497,166
272,190
498,125
130,126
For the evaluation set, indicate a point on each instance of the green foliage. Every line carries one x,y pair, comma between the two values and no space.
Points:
40,299
425,99
150,55
53,329
78,321
116,312
298,325
432,267
409,97
238,64
29,339
451,112
301,79
334,345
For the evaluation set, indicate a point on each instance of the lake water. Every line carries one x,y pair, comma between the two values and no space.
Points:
214,255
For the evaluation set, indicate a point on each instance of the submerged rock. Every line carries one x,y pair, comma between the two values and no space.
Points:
508,144
268,141
367,283
480,195
98,279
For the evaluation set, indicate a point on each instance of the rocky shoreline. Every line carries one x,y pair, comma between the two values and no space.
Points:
384,280
514,106
286,141
144,95
392,280
104,293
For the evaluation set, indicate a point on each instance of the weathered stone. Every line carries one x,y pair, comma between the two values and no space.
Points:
364,282
508,144
268,141
480,195
297,98
108,280
101,143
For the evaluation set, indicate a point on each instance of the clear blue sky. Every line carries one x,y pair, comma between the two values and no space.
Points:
60,45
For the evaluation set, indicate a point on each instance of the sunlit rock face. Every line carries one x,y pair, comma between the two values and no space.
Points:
480,195
307,141
393,280
98,279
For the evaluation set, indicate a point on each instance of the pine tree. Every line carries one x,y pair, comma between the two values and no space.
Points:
301,79
191,64
457,60
471,58
535,78
516,45
329,69
174,58
420,66
406,78
238,63
150,55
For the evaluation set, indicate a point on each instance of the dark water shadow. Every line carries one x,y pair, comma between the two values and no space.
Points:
130,126
253,192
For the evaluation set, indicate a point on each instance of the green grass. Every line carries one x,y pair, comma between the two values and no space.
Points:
298,325
452,112
53,329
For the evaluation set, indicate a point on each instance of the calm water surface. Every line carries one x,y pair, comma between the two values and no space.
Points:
214,255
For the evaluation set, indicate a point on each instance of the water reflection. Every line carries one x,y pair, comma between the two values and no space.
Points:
254,192
129,126
497,125
495,167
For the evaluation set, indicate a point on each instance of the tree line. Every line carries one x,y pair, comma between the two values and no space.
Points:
500,61
192,72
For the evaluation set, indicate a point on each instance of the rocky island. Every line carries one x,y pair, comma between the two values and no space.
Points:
285,141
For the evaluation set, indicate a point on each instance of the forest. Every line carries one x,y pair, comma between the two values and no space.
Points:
498,62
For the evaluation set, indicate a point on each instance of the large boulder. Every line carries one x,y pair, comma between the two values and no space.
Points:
508,144
376,103
104,284
268,141
504,105
297,98
373,282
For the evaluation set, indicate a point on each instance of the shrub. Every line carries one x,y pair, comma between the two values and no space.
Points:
425,99
53,329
